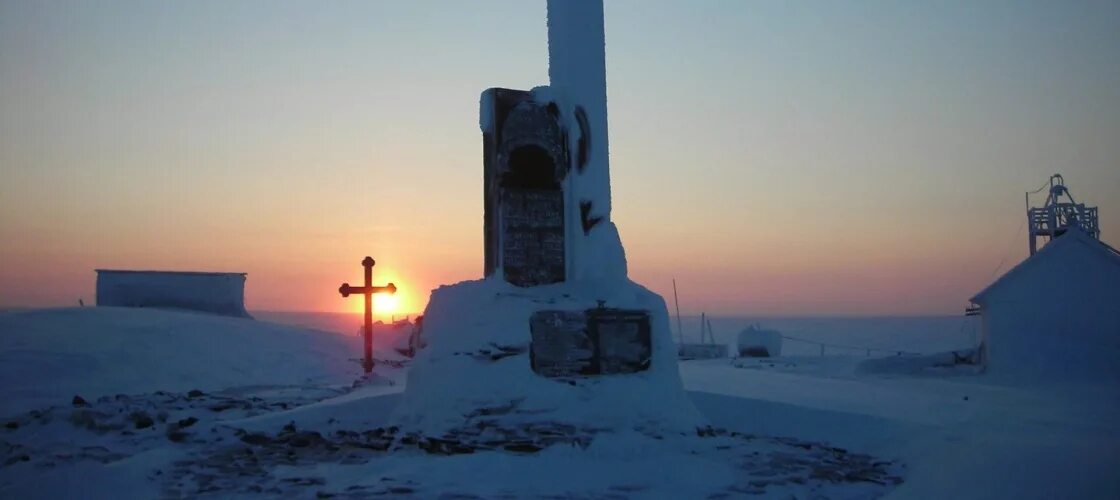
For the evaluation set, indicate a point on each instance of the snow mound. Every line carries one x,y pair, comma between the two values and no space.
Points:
49,356
476,367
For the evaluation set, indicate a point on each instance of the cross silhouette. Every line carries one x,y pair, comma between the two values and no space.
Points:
368,290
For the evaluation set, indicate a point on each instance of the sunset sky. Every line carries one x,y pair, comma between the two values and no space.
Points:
781,158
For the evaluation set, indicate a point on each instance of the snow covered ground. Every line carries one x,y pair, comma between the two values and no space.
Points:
181,404
959,436
48,356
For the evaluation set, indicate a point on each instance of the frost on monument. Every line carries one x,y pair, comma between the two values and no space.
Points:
555,333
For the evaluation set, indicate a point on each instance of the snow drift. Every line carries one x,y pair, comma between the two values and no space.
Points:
48,356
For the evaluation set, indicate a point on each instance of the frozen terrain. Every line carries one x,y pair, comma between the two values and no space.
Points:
48,356
179,404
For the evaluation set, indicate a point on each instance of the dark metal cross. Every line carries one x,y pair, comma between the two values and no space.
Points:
368,290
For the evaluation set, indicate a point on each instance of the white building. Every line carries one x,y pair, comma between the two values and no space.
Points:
217,293
1056,315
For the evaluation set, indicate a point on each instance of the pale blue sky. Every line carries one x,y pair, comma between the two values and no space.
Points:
775,157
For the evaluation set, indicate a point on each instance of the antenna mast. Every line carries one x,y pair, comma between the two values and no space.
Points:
1058,214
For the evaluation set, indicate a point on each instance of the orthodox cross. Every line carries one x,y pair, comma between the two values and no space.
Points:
368,290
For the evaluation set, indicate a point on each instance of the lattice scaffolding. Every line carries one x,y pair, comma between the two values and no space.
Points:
1058,214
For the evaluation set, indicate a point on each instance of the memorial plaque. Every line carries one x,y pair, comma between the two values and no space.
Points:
622,338
533,232
526,161
592,342
561,346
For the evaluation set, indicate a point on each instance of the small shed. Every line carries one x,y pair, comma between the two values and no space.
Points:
216,293
1056,315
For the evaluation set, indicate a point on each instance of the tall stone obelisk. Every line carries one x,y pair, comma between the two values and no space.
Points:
578,79
577,70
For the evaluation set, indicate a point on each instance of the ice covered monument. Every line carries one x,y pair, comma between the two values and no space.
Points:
1055,317
555,340
215,293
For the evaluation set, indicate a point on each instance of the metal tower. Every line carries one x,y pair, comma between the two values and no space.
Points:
1059,213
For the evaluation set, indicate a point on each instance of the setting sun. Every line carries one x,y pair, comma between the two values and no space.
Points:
386,306
384,303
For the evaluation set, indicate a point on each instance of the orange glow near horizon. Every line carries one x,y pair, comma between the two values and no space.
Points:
821,189
404,302
384,303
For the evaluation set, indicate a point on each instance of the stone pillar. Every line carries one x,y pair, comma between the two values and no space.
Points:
578,81
577,70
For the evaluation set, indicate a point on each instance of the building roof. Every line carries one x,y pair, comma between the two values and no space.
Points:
1072,237
198,273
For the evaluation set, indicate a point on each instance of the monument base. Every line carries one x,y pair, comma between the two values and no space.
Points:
495,360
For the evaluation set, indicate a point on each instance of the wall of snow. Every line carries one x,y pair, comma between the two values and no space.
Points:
217,293
1057,318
